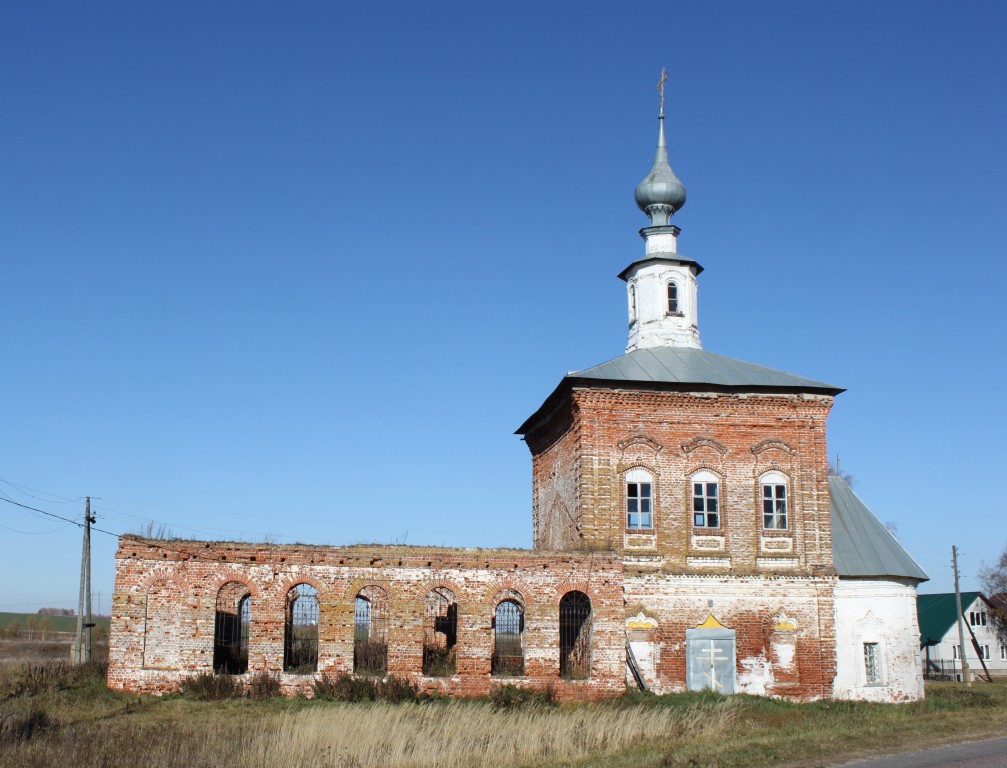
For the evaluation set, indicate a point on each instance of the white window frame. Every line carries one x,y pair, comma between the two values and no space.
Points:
1003,651
706,479
639,477
772,482
977,618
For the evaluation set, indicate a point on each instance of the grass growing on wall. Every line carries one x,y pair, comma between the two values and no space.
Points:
57,714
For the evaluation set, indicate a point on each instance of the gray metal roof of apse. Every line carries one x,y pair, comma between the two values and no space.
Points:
861,545
684,365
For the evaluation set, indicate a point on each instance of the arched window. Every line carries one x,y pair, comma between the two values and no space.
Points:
370,640
673,298
705,500
440,635
508,652
300,646
632,303
231,625
575,636
639,499
774,501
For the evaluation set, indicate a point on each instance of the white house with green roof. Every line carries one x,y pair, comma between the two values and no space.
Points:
985,636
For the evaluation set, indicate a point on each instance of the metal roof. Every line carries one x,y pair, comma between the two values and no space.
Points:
660,258
684,365
861,545
938,613
681,368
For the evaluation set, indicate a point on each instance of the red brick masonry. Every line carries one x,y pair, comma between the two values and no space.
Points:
166,591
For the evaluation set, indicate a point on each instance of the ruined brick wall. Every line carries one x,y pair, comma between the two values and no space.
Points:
737,437
785,629
166,592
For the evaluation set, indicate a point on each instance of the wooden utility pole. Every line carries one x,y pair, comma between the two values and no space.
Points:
82,650
961,631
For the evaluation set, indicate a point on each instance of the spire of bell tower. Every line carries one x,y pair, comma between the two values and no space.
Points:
660,194
661,287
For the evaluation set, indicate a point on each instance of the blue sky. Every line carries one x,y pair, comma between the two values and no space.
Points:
300,270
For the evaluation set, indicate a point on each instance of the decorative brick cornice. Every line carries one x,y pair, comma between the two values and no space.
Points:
649,442
704,442
768,445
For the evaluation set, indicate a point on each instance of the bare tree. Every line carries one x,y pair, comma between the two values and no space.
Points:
837,471
994,583
994,577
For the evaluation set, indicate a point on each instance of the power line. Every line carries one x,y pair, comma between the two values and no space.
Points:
58,517
31,533
63,499
254,534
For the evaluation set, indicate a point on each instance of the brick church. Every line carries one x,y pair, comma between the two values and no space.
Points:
687,535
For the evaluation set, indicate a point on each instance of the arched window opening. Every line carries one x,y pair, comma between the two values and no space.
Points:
231,625
673,298
300,646
774,501
440,635
632,303
705,500
575,636
508,652
370,639
639,499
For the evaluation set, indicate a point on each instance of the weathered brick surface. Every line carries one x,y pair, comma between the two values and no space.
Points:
774,588
785,631
738,437
166,595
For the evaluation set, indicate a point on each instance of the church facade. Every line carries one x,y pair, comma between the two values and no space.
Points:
687,535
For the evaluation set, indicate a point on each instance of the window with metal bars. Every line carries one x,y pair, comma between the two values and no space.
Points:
300,646
231,629
370,643
872,663
440,635
508,652
575,636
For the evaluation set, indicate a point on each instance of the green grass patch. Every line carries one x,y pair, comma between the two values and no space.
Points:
59,714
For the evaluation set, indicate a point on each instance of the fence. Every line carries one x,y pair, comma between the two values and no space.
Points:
942,669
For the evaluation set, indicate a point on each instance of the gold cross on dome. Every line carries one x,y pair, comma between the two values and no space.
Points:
660,87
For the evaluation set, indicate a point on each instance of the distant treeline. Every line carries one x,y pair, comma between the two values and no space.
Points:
40,626
56,612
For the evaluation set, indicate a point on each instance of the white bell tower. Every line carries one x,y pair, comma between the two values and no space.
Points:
661,287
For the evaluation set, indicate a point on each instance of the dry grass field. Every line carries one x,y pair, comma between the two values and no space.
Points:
53,714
